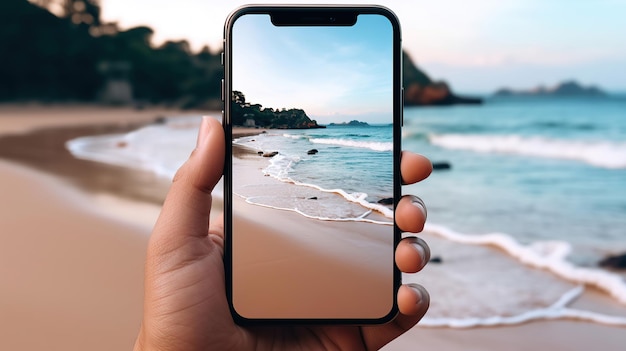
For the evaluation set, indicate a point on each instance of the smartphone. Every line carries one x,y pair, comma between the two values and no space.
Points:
312,116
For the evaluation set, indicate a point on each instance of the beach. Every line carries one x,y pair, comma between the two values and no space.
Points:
311,267
74,233
72,272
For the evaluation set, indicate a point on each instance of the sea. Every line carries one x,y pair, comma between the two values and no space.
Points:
348,169
531,198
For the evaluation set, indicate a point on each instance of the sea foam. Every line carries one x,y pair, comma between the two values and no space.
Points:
281,166
548,255
597,153
157,148
161,148
376,146
558,310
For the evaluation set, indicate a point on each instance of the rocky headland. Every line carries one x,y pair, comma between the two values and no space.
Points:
255,115
421,90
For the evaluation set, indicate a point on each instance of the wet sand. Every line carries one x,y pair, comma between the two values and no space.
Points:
312,268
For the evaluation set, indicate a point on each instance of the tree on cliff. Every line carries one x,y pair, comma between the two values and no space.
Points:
44,57
58,57
242,111
80,12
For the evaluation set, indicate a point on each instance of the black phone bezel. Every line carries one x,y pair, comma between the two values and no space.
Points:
310,15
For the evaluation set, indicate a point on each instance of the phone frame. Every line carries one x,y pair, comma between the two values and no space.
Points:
323,11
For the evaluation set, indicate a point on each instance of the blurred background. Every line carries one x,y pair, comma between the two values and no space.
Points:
71,50
521,105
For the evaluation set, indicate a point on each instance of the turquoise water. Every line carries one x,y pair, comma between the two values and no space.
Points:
354,162
536,169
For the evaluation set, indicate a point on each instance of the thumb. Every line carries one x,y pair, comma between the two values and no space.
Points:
186,209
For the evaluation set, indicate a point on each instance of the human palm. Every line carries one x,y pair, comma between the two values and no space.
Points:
185,305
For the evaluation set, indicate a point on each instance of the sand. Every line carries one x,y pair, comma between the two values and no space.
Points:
71,258
71,276
290,266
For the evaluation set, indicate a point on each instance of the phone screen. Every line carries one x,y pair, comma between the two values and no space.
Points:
313,116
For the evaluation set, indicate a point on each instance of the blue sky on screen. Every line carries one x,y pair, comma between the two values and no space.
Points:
333,73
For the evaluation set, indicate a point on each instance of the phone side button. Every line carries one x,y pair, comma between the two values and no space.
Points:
222,58
402,107
223,117
222,90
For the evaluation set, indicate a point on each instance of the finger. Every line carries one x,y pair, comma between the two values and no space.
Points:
413,302
414,167
411,214
187,206
412,254
216,232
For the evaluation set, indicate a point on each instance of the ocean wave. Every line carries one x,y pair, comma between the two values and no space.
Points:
122,150
414,135
361,218
376,146
545,256
293,136
281,166
356,198
596,153
558,310
102,149
160,149
548,255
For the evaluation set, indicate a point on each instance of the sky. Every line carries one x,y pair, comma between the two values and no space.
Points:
335,74
475,46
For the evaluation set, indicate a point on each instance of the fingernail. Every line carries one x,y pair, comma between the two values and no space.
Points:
422,249
422,294
419,203
203,132
423,255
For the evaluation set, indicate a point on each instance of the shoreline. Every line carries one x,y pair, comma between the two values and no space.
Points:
352,207
352,257
44,149
77,296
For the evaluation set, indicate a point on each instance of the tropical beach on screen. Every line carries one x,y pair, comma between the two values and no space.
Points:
344,242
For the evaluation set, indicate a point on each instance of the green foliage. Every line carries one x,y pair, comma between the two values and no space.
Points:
49,58
44,57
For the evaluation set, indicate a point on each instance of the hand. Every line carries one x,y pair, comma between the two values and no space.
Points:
185,306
